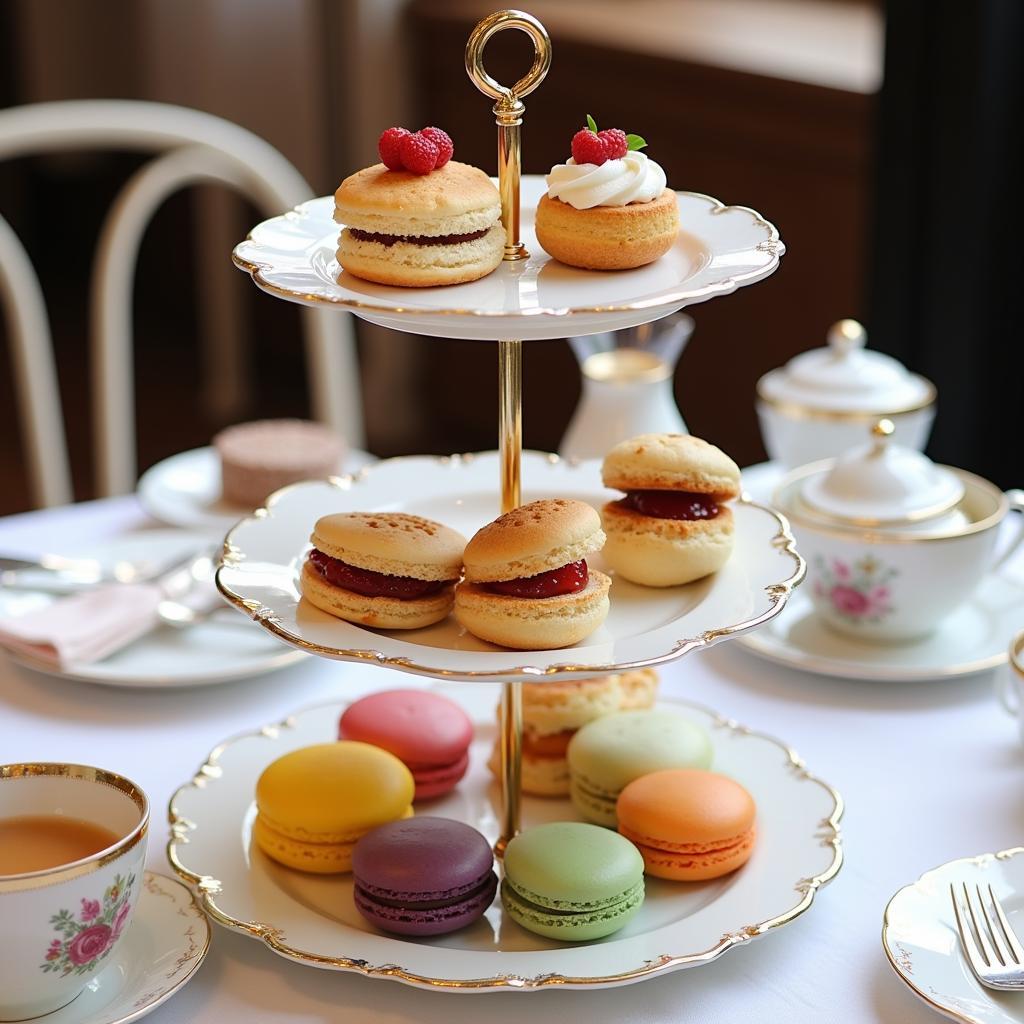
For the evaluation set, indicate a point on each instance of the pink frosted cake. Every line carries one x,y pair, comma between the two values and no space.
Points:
258,458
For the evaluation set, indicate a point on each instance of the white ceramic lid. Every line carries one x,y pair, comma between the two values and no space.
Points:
846,377
881,483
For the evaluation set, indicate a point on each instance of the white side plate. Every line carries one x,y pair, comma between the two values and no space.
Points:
920,938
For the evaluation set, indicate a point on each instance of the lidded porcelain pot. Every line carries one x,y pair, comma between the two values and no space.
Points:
819,404
894,542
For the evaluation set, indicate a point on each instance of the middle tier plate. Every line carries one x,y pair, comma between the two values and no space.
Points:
263,556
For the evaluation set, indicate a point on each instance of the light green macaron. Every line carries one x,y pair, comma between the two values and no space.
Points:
571,881
609,753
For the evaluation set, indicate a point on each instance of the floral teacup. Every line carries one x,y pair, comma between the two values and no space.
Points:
59,926
883,583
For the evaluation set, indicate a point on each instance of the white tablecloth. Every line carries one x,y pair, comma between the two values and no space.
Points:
929,772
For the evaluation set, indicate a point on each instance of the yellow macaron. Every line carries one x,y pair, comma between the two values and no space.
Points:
315,803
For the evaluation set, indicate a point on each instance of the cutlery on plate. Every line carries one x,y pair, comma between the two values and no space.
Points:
989,942
52,573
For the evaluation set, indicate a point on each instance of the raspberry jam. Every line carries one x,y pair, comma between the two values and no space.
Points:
389,240
372,584
570,579
671,504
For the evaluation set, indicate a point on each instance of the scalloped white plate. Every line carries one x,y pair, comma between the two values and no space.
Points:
920,939
646,626
312,920
719,249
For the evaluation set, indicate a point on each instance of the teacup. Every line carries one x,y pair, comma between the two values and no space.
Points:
59,925
883,583
1010,682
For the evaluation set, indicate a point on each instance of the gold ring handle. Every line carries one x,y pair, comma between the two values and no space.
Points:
479,38
508,109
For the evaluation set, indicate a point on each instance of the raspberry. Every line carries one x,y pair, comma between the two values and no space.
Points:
444,144
588,148
618,146
419,154
389,147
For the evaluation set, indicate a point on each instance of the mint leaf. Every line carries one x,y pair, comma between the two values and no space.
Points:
591,124
635,142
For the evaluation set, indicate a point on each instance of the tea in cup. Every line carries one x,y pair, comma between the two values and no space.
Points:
72,855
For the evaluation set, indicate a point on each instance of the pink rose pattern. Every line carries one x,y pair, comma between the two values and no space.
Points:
858,591
86,938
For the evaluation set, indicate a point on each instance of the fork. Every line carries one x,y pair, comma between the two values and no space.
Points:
992,949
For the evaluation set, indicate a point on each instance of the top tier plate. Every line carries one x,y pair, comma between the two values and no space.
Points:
719,249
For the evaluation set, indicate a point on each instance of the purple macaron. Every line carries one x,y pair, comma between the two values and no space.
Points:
423,876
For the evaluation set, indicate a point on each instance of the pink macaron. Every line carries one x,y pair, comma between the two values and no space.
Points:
430,733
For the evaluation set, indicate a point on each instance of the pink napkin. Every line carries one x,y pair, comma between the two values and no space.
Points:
85,627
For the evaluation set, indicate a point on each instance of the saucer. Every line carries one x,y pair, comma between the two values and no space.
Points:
218,650
184,490
761,479
920,939
973,639
167,941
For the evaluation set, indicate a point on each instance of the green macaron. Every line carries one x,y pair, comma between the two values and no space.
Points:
571,881
609,753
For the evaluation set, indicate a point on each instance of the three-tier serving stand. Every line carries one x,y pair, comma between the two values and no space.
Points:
529,297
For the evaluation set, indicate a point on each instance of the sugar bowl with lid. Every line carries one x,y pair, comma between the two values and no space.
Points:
819,404
894,542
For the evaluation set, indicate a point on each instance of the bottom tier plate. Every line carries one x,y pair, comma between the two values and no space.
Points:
312,919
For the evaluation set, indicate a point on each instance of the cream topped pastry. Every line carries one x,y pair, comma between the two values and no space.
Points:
634,178
607,207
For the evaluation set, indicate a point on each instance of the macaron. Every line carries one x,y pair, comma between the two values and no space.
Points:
609,753
552,712
423,876
429,733
315,803
528,585
672,526
390,570
688,825
571,881
418,231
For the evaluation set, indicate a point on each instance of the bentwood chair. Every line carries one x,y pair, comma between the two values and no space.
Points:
189,147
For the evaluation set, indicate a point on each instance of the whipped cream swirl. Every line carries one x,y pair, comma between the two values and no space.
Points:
632,179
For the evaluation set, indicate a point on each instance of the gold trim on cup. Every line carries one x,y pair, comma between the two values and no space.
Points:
800,411
87,865
876,533
1017,654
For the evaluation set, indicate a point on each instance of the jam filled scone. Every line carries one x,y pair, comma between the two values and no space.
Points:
418,219
527,584
390,570
672,526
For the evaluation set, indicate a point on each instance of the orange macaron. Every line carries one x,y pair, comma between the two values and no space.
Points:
689,825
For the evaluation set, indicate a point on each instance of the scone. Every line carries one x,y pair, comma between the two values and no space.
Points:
607,208
527,582
552,712
672,527
390,570
418,228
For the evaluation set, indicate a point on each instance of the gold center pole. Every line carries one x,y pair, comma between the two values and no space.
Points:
510,446
508,114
